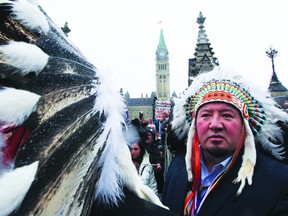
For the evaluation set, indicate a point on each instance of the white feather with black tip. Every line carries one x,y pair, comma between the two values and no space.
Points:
14,186
23,56
28,14
16,105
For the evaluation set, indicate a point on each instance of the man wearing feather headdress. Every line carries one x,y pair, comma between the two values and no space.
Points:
234,144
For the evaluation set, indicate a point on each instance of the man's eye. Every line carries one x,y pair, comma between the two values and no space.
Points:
227,116
205,115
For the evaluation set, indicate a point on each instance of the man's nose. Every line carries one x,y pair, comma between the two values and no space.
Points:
215,123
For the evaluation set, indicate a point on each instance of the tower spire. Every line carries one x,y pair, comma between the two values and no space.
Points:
275,87
162,70
202,37
162,44
204,60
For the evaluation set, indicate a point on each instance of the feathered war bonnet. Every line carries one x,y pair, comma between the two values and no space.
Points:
259,112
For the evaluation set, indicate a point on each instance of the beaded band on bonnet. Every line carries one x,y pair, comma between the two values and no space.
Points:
258,109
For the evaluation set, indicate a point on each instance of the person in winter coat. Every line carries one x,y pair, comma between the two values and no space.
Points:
155,150
140,158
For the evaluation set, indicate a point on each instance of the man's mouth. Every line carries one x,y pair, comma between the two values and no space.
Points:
215,138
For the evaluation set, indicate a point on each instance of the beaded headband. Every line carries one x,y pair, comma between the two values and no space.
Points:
231,93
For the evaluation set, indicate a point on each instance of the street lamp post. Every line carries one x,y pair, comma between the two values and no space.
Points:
272,53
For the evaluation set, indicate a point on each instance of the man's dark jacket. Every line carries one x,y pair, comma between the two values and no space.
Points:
267,196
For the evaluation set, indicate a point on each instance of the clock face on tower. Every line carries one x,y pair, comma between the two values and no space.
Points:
162,54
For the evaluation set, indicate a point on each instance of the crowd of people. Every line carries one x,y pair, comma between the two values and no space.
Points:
148,153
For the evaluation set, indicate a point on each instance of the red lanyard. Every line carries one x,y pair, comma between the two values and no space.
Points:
196,172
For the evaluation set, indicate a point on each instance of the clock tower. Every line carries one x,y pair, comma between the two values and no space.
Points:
162,71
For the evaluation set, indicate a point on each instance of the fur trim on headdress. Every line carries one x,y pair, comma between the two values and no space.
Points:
249,159
256,105
189,151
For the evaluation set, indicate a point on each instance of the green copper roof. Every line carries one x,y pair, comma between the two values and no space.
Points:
161,41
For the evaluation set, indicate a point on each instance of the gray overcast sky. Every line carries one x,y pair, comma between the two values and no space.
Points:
121,37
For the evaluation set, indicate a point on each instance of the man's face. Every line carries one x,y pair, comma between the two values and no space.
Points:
149,138
219,126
